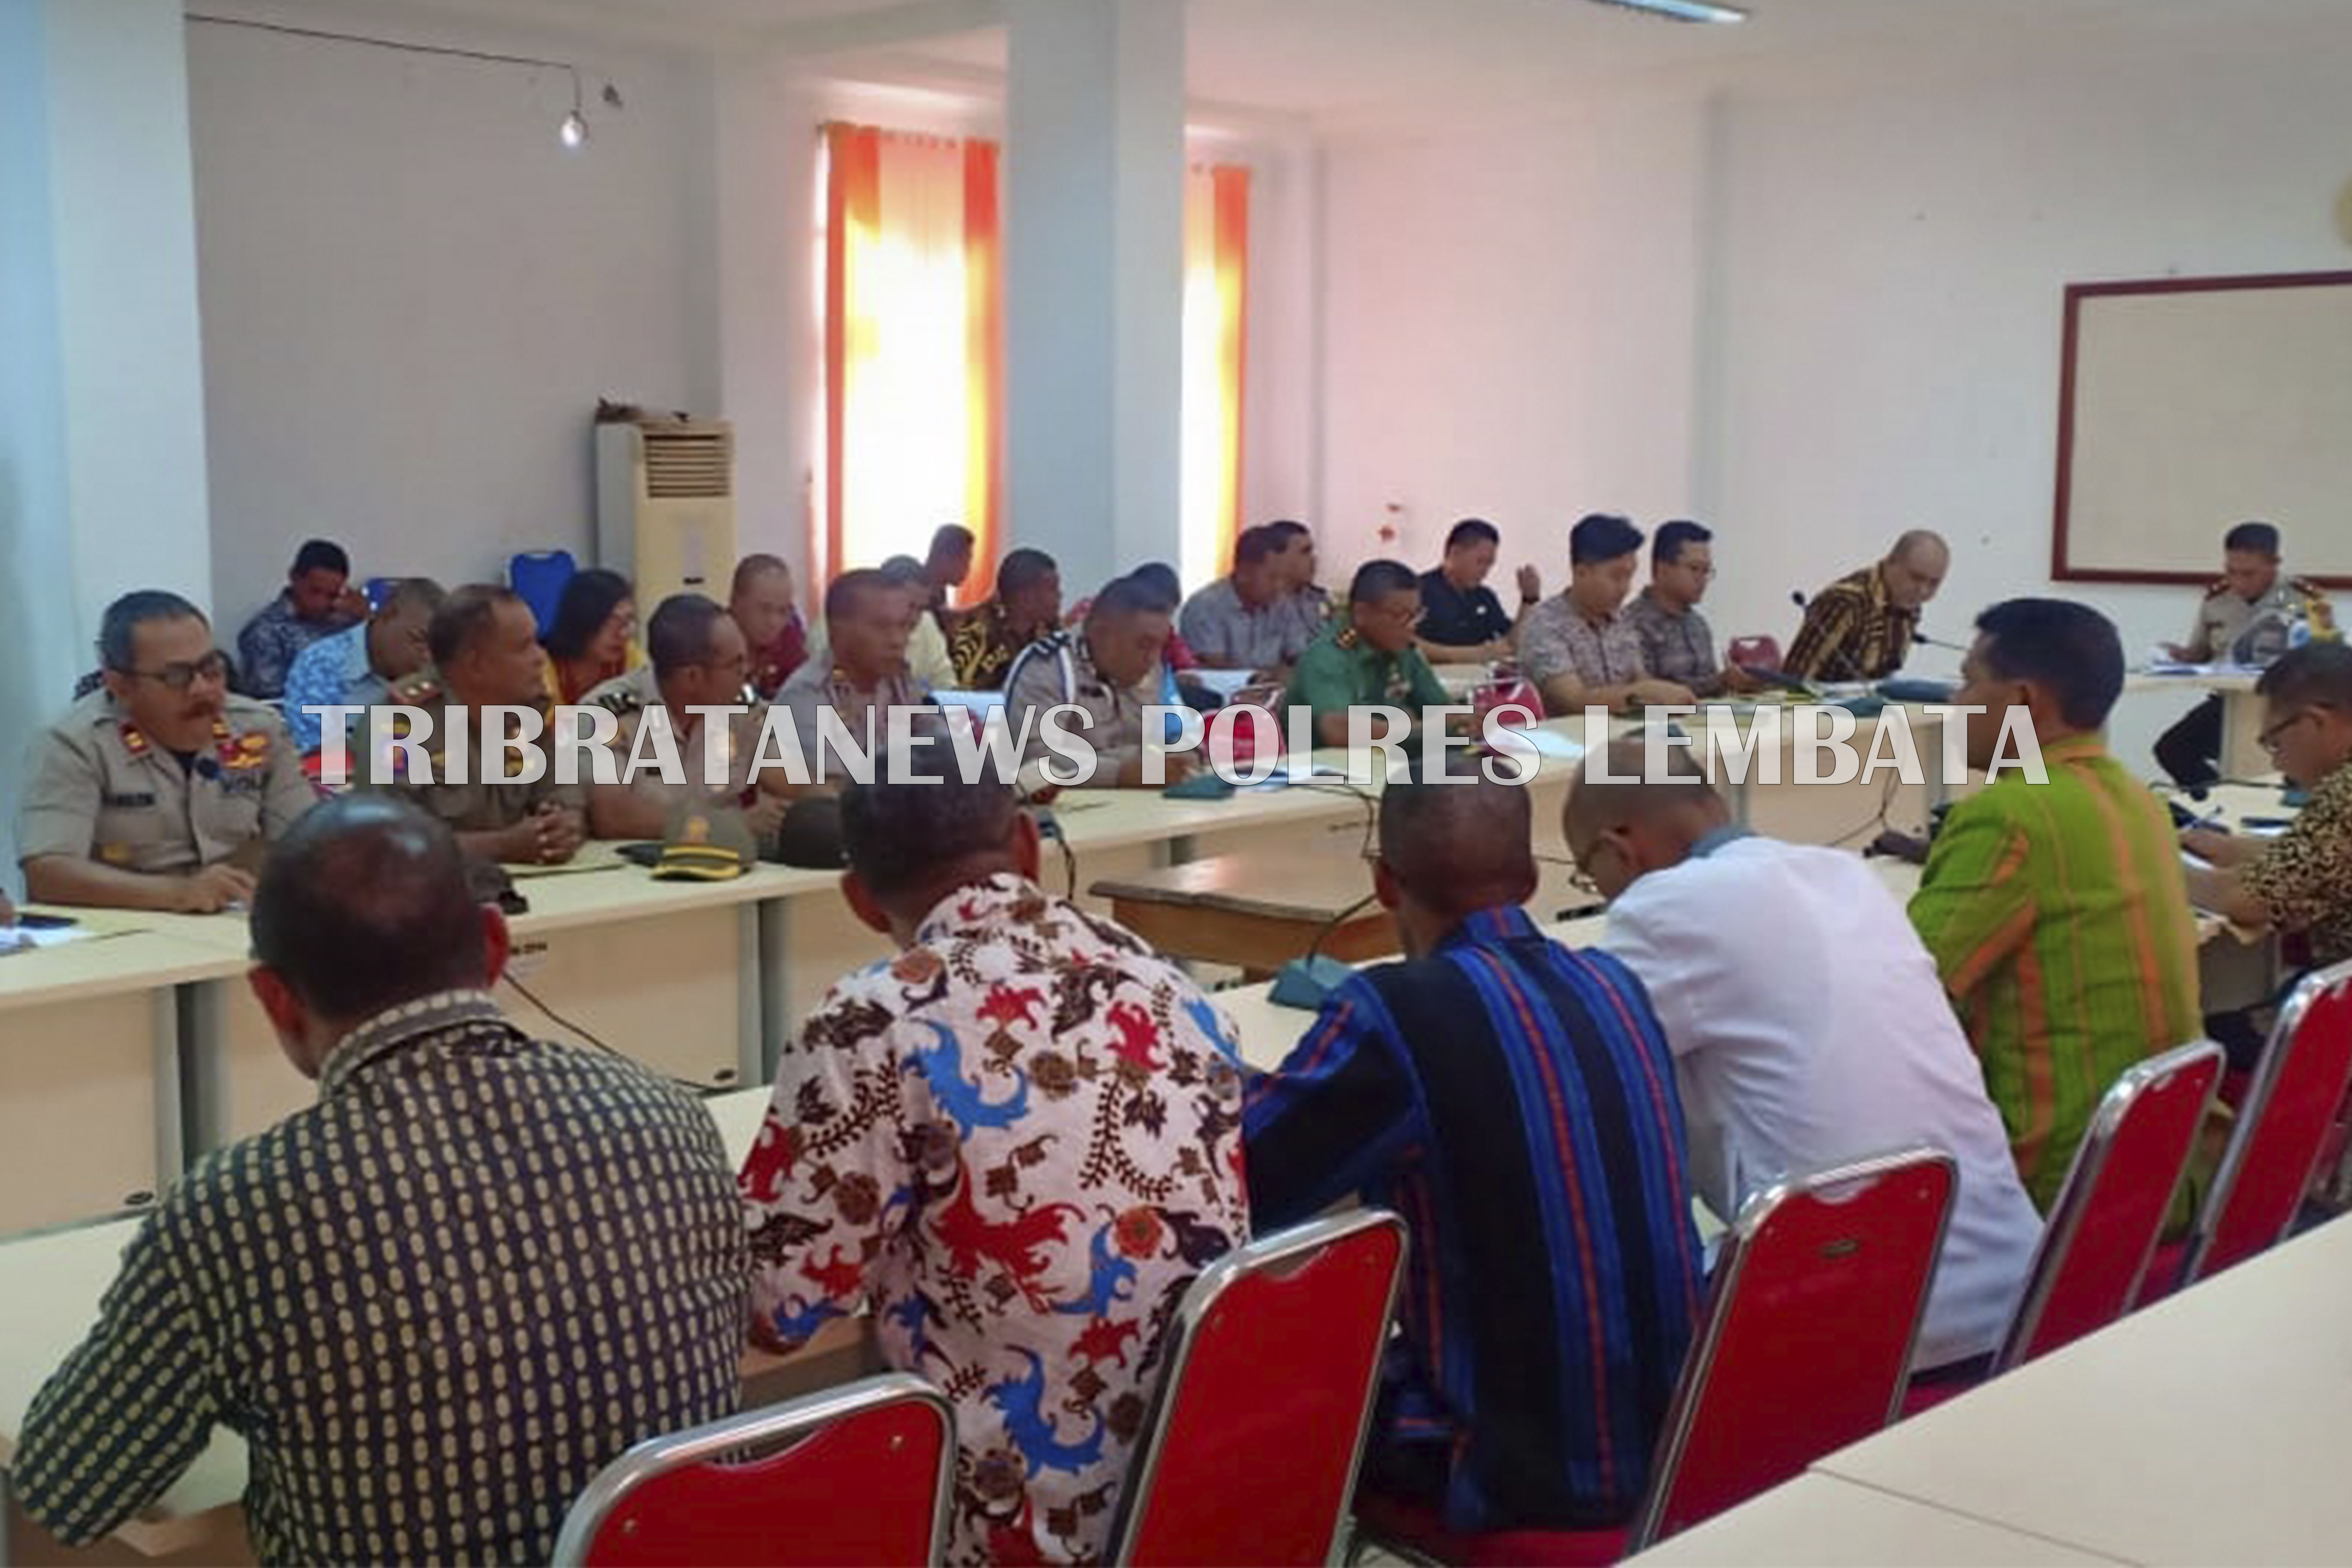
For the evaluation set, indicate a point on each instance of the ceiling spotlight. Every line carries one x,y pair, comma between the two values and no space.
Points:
573,131
1681,10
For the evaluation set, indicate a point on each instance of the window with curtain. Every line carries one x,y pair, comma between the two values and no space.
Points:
913,293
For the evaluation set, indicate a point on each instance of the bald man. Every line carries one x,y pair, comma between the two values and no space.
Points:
1807,1024
1488,1085
1860,627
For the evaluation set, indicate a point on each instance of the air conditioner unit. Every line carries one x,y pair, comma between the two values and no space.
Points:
665,507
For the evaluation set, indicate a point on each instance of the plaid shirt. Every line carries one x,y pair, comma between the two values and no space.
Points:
435,1303
1678,647
1851,632
1559,640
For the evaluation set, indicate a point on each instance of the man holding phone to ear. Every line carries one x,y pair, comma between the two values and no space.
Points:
158,790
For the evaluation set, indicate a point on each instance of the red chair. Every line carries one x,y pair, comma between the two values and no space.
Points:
1754,653
867,1478
1250,1452
1811,1315
2283,1125
2103,1227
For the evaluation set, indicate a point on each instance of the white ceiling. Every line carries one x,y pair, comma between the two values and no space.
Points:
1349,63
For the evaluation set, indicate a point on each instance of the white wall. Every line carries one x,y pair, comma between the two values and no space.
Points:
413,296
1809,307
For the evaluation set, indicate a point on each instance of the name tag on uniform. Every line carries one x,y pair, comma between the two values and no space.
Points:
129,802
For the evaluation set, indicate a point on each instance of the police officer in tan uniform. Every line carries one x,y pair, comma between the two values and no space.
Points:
1099,665
861,672
697,659
158,790
2245,618
485,652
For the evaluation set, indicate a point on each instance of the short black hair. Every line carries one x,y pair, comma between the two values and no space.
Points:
1161,578
1020,568
1128,597
1602,536
951,536
1253,545
905,571
2255,538
901,836
680,634
421,596
753,567
321,555
842,594
1458,842
415,929
1282,531
119,625
2316,675
1672,537
1472,530
2069,647
465,618
1146,589
587,602
1379,579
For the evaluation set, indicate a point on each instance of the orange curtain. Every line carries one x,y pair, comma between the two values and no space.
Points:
1217,331
913,342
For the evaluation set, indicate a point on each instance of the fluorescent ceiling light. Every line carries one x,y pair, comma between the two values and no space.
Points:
1681,10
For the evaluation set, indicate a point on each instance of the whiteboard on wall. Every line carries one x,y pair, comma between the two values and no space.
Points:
2187,404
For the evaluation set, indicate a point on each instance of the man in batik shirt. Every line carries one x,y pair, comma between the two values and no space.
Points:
1018,1142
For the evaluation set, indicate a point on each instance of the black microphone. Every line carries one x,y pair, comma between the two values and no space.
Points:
1797,597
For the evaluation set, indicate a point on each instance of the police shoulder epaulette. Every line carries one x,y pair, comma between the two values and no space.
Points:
2305,588
621,699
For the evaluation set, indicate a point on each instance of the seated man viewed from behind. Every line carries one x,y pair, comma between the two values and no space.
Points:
486,648
436,1302
1514,1099
1781,1075
2056,912
1368,655
318,601
359,668
1019,1141
1580,647
158,790
1099,665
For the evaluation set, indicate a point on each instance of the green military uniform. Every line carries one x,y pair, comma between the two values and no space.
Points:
2237,631
473,806
633,695
103,790
1339,670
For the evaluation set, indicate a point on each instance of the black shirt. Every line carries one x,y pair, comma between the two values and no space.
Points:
1460,619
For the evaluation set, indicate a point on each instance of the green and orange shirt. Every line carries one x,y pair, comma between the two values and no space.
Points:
2059,918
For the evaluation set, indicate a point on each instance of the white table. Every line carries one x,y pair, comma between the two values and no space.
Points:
1827,1523
2202,1429
2243,756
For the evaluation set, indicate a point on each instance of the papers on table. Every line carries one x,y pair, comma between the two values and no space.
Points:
29,939
1223,682
2176,666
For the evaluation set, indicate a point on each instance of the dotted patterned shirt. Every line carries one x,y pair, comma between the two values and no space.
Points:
1018,1141
435,1303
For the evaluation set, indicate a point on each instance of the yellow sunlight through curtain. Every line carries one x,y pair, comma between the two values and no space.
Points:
1216,320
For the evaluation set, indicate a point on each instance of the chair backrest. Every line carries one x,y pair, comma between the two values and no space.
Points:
2104,1225
538,577
1754,653
865,1477
2283,1124
1250,1452
1811,1317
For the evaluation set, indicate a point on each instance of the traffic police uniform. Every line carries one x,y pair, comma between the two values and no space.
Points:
1057,670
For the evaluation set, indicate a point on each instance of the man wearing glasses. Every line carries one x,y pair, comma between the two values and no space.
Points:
157,790
1676,642
1367,656
2302,879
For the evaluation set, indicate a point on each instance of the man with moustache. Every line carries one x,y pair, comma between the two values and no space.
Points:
159,789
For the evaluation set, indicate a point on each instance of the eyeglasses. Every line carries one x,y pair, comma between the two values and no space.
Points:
2274,735
179,677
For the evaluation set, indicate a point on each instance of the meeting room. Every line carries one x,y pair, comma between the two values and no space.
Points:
1175,781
